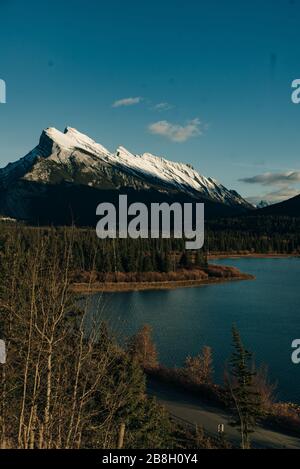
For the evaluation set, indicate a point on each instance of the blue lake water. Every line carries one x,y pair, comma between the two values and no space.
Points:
266,311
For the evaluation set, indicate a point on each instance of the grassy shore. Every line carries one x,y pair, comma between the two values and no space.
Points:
181,279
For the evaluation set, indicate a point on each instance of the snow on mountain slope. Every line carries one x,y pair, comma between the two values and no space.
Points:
72,139
74,157
180,175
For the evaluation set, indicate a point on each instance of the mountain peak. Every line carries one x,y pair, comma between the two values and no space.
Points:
75,158
71,139
57,137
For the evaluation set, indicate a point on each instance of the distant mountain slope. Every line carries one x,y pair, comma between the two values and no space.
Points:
262,204
68,174
290,207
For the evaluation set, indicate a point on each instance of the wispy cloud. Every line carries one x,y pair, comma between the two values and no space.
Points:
273,197
273,178
127,101
164,106
176,132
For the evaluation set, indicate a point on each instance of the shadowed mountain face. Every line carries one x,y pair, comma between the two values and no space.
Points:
290,208
67,175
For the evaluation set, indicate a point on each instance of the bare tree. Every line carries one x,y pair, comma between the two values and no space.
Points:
199,369
142,348
54,368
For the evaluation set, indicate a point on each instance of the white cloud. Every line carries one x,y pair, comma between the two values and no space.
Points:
285,186
274,178
176,132
127,101
276,196
162,106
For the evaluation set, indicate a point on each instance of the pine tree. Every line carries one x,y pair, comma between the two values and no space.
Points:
147,264
122,399
244,396
200,259
185,261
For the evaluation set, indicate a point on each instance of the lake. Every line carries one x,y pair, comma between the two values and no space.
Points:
266,312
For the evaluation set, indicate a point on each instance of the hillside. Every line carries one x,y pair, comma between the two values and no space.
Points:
290,207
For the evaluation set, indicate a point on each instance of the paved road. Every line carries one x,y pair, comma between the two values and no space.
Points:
193,411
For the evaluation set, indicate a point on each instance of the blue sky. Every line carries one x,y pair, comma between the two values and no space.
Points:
204,82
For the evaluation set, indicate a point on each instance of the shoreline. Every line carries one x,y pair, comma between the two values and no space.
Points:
112,287
123,286
253,255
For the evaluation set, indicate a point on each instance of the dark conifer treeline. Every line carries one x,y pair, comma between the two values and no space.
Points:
228,235
254,234
112,255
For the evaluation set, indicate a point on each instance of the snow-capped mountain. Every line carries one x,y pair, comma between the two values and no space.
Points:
263,204
72,159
